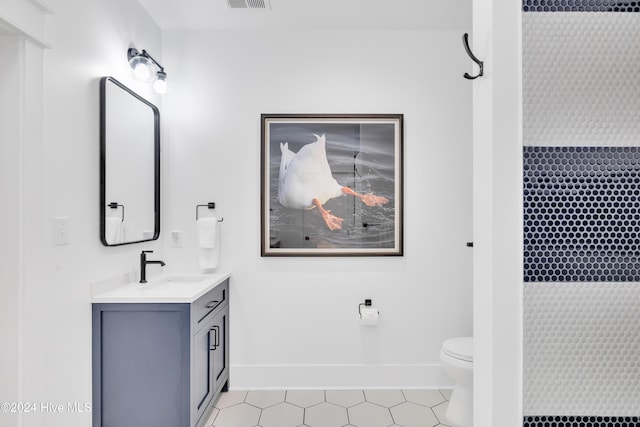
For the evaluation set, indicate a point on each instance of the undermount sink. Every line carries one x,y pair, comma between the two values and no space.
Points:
168,283
170,288
180,279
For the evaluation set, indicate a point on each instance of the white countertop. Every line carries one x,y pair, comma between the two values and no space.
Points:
167,289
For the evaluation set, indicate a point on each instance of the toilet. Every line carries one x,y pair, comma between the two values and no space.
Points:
457,359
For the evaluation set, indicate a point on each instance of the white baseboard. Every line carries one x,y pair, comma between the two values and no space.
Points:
292,377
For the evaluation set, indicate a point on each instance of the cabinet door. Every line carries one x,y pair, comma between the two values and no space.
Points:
220,331
141,365
202,384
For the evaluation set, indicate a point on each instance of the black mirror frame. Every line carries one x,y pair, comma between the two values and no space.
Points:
103,146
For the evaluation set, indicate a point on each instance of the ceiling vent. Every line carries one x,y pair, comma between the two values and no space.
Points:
249,4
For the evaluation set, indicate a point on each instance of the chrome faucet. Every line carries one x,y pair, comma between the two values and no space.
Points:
143,265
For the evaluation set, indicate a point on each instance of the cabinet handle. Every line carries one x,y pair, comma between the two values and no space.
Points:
216,337
212,304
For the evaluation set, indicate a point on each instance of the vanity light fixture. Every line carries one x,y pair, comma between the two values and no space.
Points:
160,84
141,63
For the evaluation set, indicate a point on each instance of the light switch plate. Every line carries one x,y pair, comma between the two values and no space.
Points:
60,230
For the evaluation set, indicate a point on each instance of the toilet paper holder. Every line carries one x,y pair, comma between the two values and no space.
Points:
366,303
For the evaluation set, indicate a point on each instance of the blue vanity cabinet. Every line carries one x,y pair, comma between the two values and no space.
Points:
160,364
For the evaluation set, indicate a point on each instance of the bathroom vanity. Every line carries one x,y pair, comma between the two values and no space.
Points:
160,351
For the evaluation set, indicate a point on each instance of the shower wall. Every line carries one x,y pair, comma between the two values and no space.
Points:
581,159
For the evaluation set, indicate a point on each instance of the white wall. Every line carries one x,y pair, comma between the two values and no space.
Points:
61,178
497,194
21,68
26,18
11,81
294,321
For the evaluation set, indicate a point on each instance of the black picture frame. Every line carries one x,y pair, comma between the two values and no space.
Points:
332,184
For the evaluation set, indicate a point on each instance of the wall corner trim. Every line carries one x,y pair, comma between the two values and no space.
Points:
25,33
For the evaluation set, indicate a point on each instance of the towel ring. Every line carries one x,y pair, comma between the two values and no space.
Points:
115,205
210,205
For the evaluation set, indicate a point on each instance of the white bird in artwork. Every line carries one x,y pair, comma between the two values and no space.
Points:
305,181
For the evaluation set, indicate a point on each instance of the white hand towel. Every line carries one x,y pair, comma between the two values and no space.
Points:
207,232
114,230
208,242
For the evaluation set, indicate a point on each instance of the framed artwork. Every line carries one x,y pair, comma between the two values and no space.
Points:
331,185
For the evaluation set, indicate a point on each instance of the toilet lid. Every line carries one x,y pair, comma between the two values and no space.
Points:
459,348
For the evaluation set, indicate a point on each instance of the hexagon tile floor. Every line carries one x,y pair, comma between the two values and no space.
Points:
331,408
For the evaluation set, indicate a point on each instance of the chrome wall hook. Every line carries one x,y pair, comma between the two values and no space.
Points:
465,42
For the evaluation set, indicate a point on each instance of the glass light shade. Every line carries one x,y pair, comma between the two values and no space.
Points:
160,84
141,67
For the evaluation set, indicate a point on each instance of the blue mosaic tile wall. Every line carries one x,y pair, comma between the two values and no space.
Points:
563,421
580,6
581,214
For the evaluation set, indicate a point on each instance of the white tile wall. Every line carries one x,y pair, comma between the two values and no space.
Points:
580,79
582,349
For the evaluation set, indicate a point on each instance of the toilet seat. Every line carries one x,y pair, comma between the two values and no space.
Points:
459,348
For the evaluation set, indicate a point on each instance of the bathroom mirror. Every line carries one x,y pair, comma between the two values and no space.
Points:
129,166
